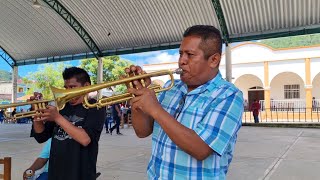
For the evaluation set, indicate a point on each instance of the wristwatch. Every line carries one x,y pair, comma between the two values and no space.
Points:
29,173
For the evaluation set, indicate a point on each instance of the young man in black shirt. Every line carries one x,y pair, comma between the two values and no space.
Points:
75,133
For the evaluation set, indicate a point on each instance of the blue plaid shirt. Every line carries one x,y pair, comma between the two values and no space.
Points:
214,112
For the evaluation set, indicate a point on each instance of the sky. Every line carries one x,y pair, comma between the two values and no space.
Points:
153,57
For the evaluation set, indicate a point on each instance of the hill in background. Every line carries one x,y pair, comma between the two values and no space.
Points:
5,75
293,41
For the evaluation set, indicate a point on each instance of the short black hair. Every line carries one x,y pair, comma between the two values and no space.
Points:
210,36
74,72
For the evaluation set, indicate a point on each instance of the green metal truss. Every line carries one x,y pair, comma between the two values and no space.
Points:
6,57
72,21
223,26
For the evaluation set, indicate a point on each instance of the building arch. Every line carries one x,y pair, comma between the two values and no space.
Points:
249,53
296,66
287,85
247,81
316,86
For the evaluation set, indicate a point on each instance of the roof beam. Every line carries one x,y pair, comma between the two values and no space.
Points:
269,35
222,22
72,21
142,49
6,57
104,53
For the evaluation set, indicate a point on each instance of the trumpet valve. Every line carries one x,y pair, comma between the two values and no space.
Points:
142,81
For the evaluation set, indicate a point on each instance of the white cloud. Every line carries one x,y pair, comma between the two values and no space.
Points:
146,54
162,57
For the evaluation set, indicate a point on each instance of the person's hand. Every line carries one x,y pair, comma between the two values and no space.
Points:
25,176
36,96
119,114
133,71
145,99
51,113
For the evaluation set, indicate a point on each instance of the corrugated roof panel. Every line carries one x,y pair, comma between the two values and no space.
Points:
245,17
28,33
135,23
116,25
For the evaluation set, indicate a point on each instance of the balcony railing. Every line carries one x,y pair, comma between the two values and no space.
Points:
285,115
289,111
285,105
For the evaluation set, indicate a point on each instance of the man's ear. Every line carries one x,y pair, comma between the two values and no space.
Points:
214,60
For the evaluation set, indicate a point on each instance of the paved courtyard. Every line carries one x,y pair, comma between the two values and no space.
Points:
261,153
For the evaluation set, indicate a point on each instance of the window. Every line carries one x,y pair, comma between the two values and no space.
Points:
292,91
20,89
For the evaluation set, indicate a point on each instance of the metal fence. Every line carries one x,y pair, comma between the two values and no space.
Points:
287,115
285,105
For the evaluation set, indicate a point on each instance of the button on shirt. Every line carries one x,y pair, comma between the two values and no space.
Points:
214,111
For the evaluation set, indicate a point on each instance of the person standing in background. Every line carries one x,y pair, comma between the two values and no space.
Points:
116,115
255,108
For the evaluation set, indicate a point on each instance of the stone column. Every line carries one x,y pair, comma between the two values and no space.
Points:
267,90
100,75
266,86
308,85
14,84
228,63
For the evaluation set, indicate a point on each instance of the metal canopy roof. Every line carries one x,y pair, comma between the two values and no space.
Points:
74,29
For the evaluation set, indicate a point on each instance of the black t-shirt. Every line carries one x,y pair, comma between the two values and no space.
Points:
68,158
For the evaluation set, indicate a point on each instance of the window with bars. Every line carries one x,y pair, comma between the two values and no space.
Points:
292,91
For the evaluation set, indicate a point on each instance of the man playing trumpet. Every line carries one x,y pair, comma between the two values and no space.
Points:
194,125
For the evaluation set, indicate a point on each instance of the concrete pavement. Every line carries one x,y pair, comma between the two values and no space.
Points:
261,153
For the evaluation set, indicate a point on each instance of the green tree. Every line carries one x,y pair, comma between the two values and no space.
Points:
46,76
113,68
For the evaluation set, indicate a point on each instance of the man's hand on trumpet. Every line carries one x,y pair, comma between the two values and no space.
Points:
145,99
50,113
137,70
36,97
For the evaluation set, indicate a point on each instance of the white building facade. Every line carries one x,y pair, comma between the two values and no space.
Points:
290,75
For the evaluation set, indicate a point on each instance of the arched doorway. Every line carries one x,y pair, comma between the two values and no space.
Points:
246,82
255,93
316,86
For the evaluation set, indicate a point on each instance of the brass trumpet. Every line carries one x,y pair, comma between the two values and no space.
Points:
36,104
62,96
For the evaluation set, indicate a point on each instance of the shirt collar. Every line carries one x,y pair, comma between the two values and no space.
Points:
209,85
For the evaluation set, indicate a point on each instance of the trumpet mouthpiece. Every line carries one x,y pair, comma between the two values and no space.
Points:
178,71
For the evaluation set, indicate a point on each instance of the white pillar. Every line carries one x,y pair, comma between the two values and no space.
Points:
228,63
100,74
14,84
